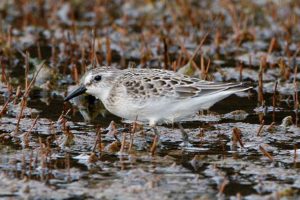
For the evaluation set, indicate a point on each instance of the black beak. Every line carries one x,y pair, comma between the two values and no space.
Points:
76,93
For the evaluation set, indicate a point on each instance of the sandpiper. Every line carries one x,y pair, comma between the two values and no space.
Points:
153,96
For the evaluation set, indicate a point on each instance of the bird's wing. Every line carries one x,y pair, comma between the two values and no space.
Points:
204,88
154,84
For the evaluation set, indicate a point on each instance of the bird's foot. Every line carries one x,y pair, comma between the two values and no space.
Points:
185,144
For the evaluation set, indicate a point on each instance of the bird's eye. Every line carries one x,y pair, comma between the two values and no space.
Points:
98,78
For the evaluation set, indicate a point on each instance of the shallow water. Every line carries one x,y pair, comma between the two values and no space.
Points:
73,171
232,156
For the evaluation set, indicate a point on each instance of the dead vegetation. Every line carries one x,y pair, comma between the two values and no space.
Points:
46,46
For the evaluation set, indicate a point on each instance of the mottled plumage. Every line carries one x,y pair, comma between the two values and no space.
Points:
152,95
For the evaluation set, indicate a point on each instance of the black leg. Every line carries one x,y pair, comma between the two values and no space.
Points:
157,135
155,131
184,135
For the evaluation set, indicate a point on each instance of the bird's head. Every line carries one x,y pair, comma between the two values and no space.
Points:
96,82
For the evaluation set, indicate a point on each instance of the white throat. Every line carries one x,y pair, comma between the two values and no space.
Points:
100,93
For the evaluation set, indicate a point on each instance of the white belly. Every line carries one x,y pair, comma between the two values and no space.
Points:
162,110
152,112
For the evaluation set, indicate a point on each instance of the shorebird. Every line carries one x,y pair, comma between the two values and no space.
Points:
153,96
